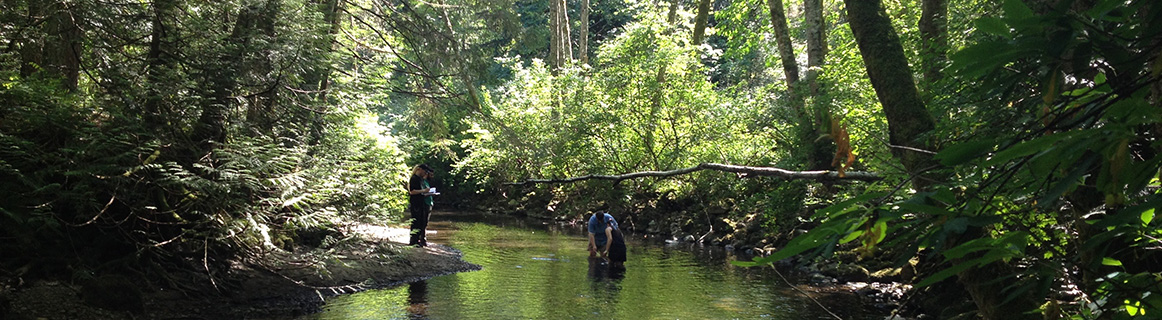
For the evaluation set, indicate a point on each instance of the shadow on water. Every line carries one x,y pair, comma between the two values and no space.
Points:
542,270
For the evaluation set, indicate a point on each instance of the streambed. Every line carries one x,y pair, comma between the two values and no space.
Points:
534,269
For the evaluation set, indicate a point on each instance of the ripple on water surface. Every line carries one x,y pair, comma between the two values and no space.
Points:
541,272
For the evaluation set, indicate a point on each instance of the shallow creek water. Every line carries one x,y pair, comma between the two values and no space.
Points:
541,270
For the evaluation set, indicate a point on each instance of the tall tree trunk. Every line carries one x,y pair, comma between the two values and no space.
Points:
554,37
560,50
786,53
908,125
933,27
63,50
56,47
319,79
817,151
566,34
816,42
222,80
700,22
887,67
158,62
316,81
583,36
672,16
806,130
261,109
31,48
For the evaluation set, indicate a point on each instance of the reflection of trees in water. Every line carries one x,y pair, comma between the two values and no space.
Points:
605,280
418,298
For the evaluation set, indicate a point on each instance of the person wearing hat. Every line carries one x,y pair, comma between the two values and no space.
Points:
420,203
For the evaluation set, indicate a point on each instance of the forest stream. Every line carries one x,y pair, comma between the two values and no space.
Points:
533,269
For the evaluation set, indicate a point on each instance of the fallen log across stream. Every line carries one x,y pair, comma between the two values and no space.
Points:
821,175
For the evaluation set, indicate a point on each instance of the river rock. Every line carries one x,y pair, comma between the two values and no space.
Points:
820,279
908,271
847,272
886,275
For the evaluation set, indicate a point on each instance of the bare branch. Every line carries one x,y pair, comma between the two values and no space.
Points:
821,175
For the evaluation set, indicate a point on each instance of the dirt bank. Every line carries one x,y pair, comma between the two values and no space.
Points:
279,285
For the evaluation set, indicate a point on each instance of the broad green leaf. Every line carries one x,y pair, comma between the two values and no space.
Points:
964,152
846,205
1029,147
971,246
851,236
1134,308
976,60
1129,216
881,230
1016,9
1147,216
788,251
956,225
1107,261
992,25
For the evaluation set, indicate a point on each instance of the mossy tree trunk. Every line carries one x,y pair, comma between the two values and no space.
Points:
700,21
909,125
909,122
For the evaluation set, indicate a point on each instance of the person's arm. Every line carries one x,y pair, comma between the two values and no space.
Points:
592,245
608,241
414,186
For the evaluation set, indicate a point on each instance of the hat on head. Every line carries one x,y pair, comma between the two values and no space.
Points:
427,168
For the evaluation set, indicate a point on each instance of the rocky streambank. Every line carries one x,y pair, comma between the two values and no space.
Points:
278,285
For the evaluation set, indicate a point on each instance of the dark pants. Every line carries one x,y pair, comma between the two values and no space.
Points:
420,214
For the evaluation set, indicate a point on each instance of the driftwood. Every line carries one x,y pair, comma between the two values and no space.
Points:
821,175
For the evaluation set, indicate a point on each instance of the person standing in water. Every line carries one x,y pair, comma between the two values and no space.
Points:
605,238
420,203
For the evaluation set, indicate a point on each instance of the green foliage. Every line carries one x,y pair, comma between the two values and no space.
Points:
228,152
1063,182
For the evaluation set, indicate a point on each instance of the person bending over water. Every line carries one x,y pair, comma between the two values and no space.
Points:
606,238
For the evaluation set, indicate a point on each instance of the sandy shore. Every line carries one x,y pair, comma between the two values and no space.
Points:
280,285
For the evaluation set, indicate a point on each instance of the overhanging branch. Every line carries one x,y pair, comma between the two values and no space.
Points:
821,175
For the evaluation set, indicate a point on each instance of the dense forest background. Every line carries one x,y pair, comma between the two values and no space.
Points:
1015,143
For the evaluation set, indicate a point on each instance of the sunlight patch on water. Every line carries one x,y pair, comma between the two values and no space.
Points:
537,272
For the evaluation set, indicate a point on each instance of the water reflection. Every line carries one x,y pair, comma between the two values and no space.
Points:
600,269
534,270
418,299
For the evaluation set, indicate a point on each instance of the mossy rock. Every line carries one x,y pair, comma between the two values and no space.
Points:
886,275
847,272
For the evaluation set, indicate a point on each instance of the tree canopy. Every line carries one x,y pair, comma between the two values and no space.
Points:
995,139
